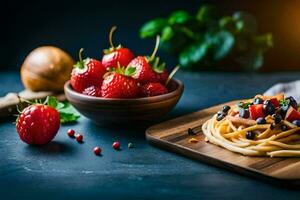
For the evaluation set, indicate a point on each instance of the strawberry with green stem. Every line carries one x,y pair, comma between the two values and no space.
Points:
113,55
155,89
39,122
149,68
120,84
87,72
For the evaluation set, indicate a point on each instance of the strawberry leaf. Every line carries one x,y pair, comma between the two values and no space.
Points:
67,112
129,71
156,65
51,101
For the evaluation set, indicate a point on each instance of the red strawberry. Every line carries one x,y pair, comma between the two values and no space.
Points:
149,69
292,114
143,72
113,55
256,111
38,124
119,84
92,91
162,77
153,89
86,73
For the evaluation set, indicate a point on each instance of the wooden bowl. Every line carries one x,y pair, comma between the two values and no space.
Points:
109,111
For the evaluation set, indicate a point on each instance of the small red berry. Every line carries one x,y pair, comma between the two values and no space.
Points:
116,145
97,151
71,133
79,138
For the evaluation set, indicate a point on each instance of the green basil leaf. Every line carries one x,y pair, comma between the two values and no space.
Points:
227,22
245,22
220,43
263,42
193,55
152,28
206,13
167,33
179,17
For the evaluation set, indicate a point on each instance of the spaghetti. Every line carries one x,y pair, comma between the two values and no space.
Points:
263,126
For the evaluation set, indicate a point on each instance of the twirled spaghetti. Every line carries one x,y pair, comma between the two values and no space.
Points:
269,132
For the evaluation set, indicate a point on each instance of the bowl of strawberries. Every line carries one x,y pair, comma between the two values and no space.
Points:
123,88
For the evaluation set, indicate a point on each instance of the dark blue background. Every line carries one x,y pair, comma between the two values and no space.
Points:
70,25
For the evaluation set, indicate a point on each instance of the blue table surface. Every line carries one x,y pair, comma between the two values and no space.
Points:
65,169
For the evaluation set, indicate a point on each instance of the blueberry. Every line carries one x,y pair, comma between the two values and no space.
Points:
261,120
292,102
220,112
284,127
191,132
220,117
226,108
268,107
250,135
272,126
277,118
296,122
244,113
258,100
283,109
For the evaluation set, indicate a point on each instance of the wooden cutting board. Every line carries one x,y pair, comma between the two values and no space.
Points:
173,135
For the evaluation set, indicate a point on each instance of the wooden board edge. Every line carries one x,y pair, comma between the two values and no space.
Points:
289,183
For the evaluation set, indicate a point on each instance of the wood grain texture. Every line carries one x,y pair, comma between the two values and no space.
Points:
172,135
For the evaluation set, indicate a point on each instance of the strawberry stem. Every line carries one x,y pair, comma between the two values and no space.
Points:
80,55
173,72
112,30
155,48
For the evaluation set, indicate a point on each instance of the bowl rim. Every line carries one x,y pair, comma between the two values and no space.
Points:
176,92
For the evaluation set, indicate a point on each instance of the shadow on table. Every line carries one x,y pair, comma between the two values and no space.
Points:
52,148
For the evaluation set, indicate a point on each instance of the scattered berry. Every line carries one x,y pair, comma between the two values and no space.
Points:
116,145
250,135
296,122
226,108
38,124
79,138
277,118
220,117
97,151
71,133
130,145
268,107
244,113
292,102
153,89
258,100
261,120
191,132
272,126
284,127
